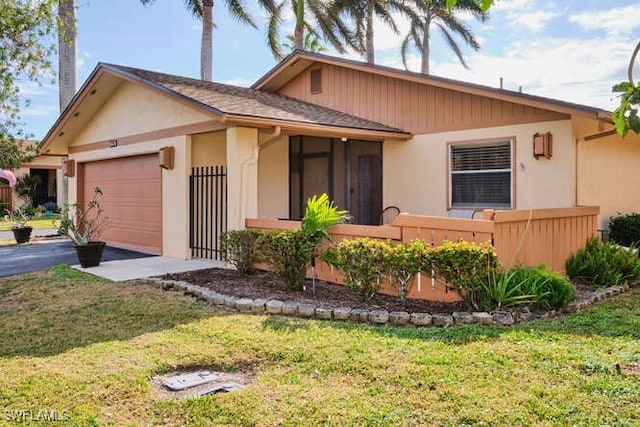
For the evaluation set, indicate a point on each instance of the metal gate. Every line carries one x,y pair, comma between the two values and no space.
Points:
207,210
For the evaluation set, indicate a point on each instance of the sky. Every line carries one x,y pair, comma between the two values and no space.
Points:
571,50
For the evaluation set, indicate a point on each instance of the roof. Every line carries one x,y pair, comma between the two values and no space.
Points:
230,104
299,60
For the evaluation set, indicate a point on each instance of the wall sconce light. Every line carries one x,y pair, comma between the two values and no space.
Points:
167,156
69,168
542,145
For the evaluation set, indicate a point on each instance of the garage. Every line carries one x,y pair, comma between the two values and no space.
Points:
132,199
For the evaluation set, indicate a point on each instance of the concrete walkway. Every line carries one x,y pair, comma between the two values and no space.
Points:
147,267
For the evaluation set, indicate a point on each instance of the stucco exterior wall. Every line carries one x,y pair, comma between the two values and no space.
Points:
610,175
135,109
242,178
209,149
415,172
273,179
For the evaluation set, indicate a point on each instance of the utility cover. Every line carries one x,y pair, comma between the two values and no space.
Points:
193,379
219,388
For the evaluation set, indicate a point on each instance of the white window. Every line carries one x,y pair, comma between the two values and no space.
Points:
481,175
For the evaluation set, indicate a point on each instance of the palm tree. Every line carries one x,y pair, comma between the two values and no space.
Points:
316,17
203,9
435,12
362,13
67,35
311,43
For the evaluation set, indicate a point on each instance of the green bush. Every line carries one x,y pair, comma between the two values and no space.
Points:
402,262
361,261
625,229
504,289
239,249
604,264
288,252
464,267
321,213
537,286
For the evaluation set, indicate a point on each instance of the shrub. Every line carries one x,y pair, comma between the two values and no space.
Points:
320,214
50,206
465,267
537,286
402,262
239,248
504,289
288,252
604,264
361,261
625,229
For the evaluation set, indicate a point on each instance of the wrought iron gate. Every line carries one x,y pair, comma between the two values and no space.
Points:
207,210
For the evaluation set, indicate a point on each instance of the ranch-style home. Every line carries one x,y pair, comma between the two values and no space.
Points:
180,160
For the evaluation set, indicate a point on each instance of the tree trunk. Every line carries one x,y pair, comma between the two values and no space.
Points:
206,46
369,36
298,33
67,34
425,49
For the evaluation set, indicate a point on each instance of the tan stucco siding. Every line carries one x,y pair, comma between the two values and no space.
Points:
242,179
134,109
609,171
413,107
209,149
273,179
415,172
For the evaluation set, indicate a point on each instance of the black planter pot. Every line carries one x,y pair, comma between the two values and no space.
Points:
89,255
22,234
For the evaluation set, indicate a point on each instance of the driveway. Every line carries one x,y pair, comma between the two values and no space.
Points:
40,255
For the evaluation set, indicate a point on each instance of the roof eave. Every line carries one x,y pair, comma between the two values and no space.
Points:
316,129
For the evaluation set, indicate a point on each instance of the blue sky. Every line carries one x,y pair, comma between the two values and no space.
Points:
573,50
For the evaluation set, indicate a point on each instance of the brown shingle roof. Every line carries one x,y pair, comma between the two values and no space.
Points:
240,101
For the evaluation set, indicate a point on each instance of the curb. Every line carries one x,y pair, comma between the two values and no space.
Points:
377,317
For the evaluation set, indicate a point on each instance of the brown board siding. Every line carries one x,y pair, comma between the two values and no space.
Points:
413,107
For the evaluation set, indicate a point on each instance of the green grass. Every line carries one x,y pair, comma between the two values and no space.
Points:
71,342
47,222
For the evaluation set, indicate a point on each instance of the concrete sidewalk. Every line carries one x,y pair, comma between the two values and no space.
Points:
147,267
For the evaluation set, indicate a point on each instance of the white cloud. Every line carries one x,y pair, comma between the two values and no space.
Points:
573,70
614,21
533,21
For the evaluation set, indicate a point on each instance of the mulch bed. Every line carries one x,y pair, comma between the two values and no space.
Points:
264,285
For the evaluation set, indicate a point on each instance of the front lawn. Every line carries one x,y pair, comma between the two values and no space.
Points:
37,224
87,348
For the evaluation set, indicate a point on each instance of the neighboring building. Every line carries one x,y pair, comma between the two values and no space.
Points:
48,168
369,136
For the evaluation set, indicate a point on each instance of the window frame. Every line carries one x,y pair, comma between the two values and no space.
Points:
479,144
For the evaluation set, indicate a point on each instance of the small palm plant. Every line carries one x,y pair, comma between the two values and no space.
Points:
320,214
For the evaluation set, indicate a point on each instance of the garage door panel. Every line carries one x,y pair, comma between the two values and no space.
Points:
132,200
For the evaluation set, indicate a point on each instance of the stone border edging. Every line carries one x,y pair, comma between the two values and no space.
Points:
378,317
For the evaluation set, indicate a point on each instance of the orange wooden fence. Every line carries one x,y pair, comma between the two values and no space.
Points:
541,236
